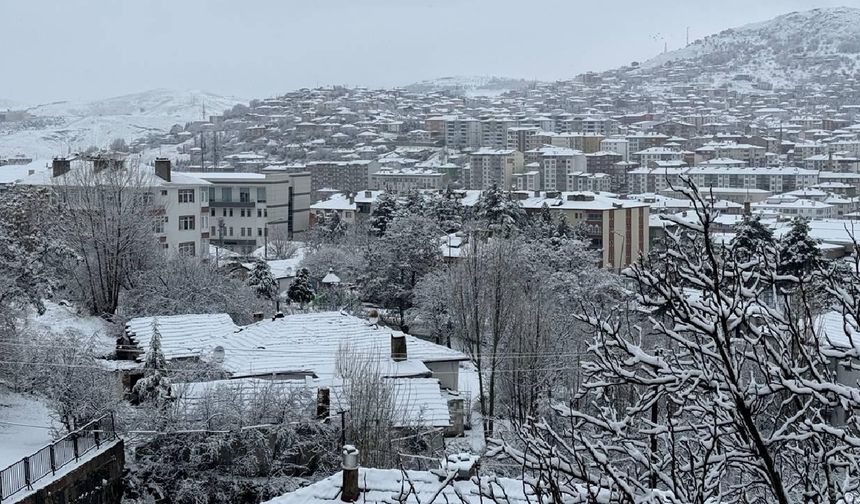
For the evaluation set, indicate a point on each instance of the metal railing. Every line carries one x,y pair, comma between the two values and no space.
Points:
70,448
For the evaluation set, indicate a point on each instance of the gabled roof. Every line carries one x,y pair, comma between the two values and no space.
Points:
390,486
182,336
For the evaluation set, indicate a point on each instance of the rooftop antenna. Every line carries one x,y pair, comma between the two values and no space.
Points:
688,35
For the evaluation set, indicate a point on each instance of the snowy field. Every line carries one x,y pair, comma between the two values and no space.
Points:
25,426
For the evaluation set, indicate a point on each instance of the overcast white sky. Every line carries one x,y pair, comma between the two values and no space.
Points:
79,49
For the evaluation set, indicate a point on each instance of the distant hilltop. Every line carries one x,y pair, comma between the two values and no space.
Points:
787,50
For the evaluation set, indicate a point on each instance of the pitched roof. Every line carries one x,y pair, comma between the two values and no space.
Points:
182,336
390,486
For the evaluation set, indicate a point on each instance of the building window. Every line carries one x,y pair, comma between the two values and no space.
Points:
186,248
231,212
265,212
242,231
261,194
186,195
227,194
259,231
242,212
186,222
231,231
259,212
158,224
244,195
212,231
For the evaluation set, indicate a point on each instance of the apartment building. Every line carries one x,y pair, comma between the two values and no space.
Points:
523,138
751,155
774,179
617,227
180,200
592,182
494,132
585,142
554,163
527,181
652,155
653,180
352,176
618,145
601,161
641,141
397,180
462,132
489,167
833,162
245,209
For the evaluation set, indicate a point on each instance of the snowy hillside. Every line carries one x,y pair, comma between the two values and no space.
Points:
788,49
63,126
470,85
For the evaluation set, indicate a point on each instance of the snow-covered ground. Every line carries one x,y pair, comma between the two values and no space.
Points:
78,125
25,426
59,318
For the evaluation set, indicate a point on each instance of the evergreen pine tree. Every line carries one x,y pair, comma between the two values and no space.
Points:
382,213
261,280
300,290
751,236
798,252
154,386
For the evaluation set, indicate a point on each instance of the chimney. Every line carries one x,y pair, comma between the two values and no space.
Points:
747,208
99,164
398,347
61,166
162,169
349,491
455,408
323,404
258,316
351,197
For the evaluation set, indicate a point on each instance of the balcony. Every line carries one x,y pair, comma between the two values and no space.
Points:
232,204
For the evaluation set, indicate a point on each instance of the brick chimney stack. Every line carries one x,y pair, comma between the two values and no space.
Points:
398,347
61,166
162,169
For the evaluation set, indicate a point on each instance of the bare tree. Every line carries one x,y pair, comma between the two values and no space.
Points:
711,393
106,217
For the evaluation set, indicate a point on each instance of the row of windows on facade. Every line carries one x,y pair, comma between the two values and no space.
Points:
226,193
243,231
228,212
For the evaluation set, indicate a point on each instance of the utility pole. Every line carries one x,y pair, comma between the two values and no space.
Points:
688,35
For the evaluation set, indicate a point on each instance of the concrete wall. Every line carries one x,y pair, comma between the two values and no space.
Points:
98,481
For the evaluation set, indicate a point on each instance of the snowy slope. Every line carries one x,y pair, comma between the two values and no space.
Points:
471,85
788,49
63,126
25,426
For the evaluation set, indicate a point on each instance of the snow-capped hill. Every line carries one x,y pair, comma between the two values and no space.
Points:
60,127
185,105
475,85
788,49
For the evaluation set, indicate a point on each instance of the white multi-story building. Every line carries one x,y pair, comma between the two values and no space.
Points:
246,208
489,167
776,179
618,145
396,180
179,200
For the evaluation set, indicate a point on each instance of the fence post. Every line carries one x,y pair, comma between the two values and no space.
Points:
27,471
96,436
75,445
53,461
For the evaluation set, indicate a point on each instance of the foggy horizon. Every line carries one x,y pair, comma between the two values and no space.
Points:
265,48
